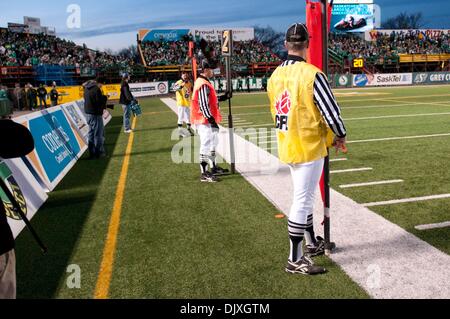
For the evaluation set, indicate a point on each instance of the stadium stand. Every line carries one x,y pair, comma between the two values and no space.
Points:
249,57
48,58
388,52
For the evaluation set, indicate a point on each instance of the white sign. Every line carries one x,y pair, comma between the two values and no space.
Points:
75,115
213,34
25,189
385,79
149,89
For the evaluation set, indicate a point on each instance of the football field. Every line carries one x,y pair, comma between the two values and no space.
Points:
138,225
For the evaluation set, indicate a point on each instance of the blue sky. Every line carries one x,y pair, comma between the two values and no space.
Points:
114,23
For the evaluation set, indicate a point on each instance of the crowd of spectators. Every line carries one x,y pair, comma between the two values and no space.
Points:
176,53
21,49
388,46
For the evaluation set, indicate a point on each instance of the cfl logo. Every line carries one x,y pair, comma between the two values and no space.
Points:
281,122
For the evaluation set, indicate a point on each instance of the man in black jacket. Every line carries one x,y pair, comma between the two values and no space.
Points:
126,99
54,95
32,97
42,93
94,106
7,258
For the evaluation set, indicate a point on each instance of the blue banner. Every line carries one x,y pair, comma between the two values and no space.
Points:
165,35
55,143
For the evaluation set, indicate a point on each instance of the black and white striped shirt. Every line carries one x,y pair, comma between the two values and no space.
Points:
328,106
324,100
203,99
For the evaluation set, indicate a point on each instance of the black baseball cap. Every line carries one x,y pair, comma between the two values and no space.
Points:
298,32
209,64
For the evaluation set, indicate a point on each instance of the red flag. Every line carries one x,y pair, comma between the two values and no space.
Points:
315,50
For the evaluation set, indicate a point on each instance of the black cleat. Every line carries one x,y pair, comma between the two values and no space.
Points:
318,249
218,171
304,266
208,178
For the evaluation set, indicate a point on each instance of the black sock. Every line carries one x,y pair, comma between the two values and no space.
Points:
310,237
203,163
296,235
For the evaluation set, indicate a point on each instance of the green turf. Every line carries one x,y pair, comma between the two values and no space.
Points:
421,163
178,238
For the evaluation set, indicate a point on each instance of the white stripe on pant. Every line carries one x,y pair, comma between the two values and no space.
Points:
305,177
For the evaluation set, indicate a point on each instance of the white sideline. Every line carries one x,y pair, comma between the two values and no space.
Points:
272,135
432,226
362,169
338,160
394,116
398,138
366,241
393,181
406,200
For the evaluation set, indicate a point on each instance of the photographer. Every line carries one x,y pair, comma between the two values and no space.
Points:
94,106
7,259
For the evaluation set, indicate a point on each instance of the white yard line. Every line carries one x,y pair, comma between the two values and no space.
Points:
372,183
406,200
390,98
393,116
338,160
398,103
351,170
432,226
260,125
268,142
368,244
398,138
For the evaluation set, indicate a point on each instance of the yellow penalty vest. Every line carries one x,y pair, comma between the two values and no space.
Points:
303,136
184,95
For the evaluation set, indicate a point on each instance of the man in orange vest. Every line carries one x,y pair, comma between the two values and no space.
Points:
206,116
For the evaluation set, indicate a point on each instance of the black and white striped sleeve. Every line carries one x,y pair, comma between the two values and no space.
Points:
328,106
203,98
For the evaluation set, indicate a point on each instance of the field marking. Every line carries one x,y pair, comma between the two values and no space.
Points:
406,200
259,125
399,104
375,241
432,226
359,93
264,136
106,267
398,138
398,98
338,160
268,142
393,181
351,170
393,116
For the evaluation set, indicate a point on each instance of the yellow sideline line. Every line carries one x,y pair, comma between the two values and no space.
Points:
106,267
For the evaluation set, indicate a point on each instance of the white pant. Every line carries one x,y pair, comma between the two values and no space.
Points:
306,177
184,115
208,139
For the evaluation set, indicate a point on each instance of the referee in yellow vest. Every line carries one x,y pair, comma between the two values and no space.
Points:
183,89
306,115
